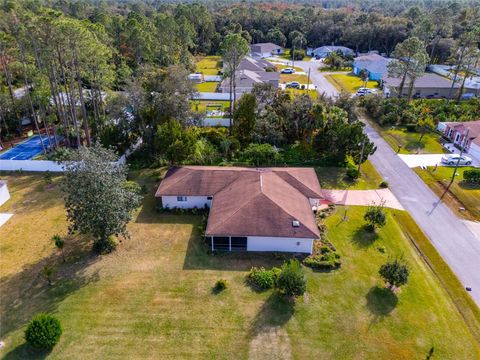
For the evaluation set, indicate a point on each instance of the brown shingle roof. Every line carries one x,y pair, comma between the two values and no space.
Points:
251,202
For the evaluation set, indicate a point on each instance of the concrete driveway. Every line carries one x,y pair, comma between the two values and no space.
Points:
414,160
363,197
458,243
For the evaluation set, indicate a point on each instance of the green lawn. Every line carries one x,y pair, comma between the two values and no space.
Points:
461,195
295,92
349,82
207,86
153,297
286,55
209,65
202,105
286,78
409,142
280,67
329,69
336,178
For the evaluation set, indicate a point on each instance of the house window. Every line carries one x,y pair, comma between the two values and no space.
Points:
209,197
181,198
457,137
450,133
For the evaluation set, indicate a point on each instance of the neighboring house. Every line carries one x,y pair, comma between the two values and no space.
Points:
267,209
456,132
376,66
4,194
324,51
429,86
251,71
264,50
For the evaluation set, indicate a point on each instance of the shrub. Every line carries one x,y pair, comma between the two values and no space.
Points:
262,278
384,184
261,155
221,285
353,173
104,246
47,177
43,331
298,54
291,280
411,127
395,273
375,217
472,176
326,259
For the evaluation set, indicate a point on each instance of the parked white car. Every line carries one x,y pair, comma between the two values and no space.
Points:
287,71
453,159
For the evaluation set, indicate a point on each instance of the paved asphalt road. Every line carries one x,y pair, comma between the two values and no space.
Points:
457,244
318,78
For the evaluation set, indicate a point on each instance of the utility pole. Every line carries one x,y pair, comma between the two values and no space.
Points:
293,56
308,81
361,156
462,147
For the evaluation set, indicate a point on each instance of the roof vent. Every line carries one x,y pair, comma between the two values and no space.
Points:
296,223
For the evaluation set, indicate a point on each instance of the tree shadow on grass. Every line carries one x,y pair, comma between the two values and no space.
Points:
27,292
364,237
25,351
381,302
276,311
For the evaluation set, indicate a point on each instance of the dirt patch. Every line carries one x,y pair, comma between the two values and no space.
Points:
271,342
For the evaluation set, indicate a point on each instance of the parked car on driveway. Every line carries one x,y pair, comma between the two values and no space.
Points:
287,71
293,85
452,159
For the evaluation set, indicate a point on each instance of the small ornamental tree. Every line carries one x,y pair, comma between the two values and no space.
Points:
59,244
395,273
97,198
375,217
291,280
424,126
43,331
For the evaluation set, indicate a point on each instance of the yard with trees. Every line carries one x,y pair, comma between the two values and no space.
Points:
155,291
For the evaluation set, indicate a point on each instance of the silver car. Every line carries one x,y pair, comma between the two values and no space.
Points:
453,159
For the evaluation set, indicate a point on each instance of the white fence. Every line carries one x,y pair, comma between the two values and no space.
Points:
216,122
49,165
4,194
212,96
212,78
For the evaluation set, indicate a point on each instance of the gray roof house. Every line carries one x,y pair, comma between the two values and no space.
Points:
250,72
323,51
431,86
263,50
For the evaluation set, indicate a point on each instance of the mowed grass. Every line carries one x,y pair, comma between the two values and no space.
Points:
207,86
336,178
410,143
286,78
209,65
460,194
153,297
203,105
349,83
296,92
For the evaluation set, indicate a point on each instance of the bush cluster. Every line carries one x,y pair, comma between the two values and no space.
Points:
325,259
291,280
43,331
353,173
472,176
221,285
262,278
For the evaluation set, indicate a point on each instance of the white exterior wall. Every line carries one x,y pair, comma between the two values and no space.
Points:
30,165
192,202
261,243
4,194
216,122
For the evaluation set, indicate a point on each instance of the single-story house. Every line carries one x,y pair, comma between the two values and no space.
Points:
263,50
4,194
431,86
456,132
249,72
267,209
323,51
374,64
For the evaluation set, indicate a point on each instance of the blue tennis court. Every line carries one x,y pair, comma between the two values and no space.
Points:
27,149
